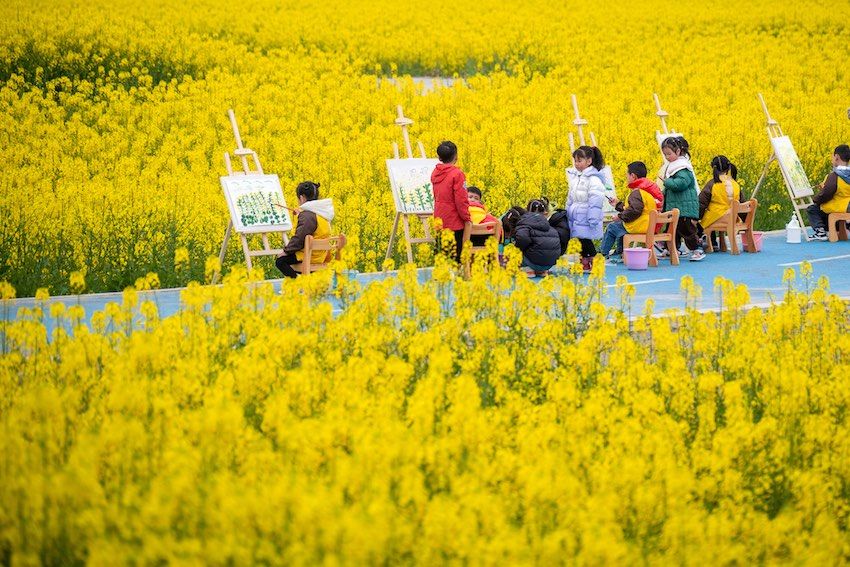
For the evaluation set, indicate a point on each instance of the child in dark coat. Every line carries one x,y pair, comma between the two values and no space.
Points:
537,239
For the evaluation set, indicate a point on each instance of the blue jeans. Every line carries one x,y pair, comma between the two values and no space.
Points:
613,235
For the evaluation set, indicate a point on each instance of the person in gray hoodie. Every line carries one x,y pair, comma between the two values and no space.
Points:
834,194
314,218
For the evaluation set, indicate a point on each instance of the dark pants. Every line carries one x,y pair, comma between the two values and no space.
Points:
588,249
458,243
819,219
686,230
284,264
443,247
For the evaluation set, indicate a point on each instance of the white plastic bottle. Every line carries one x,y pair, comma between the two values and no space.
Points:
793,231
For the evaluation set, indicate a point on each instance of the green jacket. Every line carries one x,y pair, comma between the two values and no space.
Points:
679,193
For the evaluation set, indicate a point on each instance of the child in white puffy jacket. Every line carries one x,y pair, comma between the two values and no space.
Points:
585,200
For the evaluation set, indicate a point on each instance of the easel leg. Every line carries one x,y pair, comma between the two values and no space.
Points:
247,251
407,239
763,175
223,251
392,237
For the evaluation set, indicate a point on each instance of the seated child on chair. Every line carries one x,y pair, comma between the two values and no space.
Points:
478,213
834,194
632,218
716,197
313,218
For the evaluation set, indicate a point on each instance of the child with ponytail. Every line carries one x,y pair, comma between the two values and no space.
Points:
313,218
681,192
585,200
717,195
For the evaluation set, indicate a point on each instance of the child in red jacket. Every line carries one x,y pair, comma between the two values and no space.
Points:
451,201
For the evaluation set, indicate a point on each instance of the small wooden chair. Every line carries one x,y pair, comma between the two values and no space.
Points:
333,244
840,232
491,228
731,224
649,238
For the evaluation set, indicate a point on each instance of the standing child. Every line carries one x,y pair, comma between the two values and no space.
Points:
633,217
585,200
451,201
834,194
538,241
681,192
313,218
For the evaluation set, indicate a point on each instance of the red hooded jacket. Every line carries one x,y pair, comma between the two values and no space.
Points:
451,202
652,189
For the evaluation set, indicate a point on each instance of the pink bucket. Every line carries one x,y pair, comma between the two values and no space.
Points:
636,258
757,237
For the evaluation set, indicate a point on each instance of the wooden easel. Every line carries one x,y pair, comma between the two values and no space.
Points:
662,115
579,123
243,153
425,218
774,130
608,211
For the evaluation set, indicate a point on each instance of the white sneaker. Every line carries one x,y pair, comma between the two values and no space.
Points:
820,235
661,252
697,255
684,253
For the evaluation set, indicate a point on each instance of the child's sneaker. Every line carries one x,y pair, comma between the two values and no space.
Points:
661,251
684,253
820,235
697,255
614,259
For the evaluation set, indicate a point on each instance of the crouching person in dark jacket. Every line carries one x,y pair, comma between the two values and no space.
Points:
560,221
537,239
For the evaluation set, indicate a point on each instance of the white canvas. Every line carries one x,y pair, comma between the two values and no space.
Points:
792,170
410,180
256,203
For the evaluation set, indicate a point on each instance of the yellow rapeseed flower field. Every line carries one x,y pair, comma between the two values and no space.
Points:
484,421
113,124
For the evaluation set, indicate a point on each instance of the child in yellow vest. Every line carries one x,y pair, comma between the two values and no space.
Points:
313,218
632,218
478,213
716,197
834,194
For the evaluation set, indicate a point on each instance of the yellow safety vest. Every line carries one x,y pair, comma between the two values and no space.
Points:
640,224
720,202
323,230
838,204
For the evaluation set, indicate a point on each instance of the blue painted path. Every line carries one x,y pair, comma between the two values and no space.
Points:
761,273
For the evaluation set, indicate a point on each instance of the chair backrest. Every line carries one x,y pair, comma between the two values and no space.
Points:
748,208
670,218
490,228
333,244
